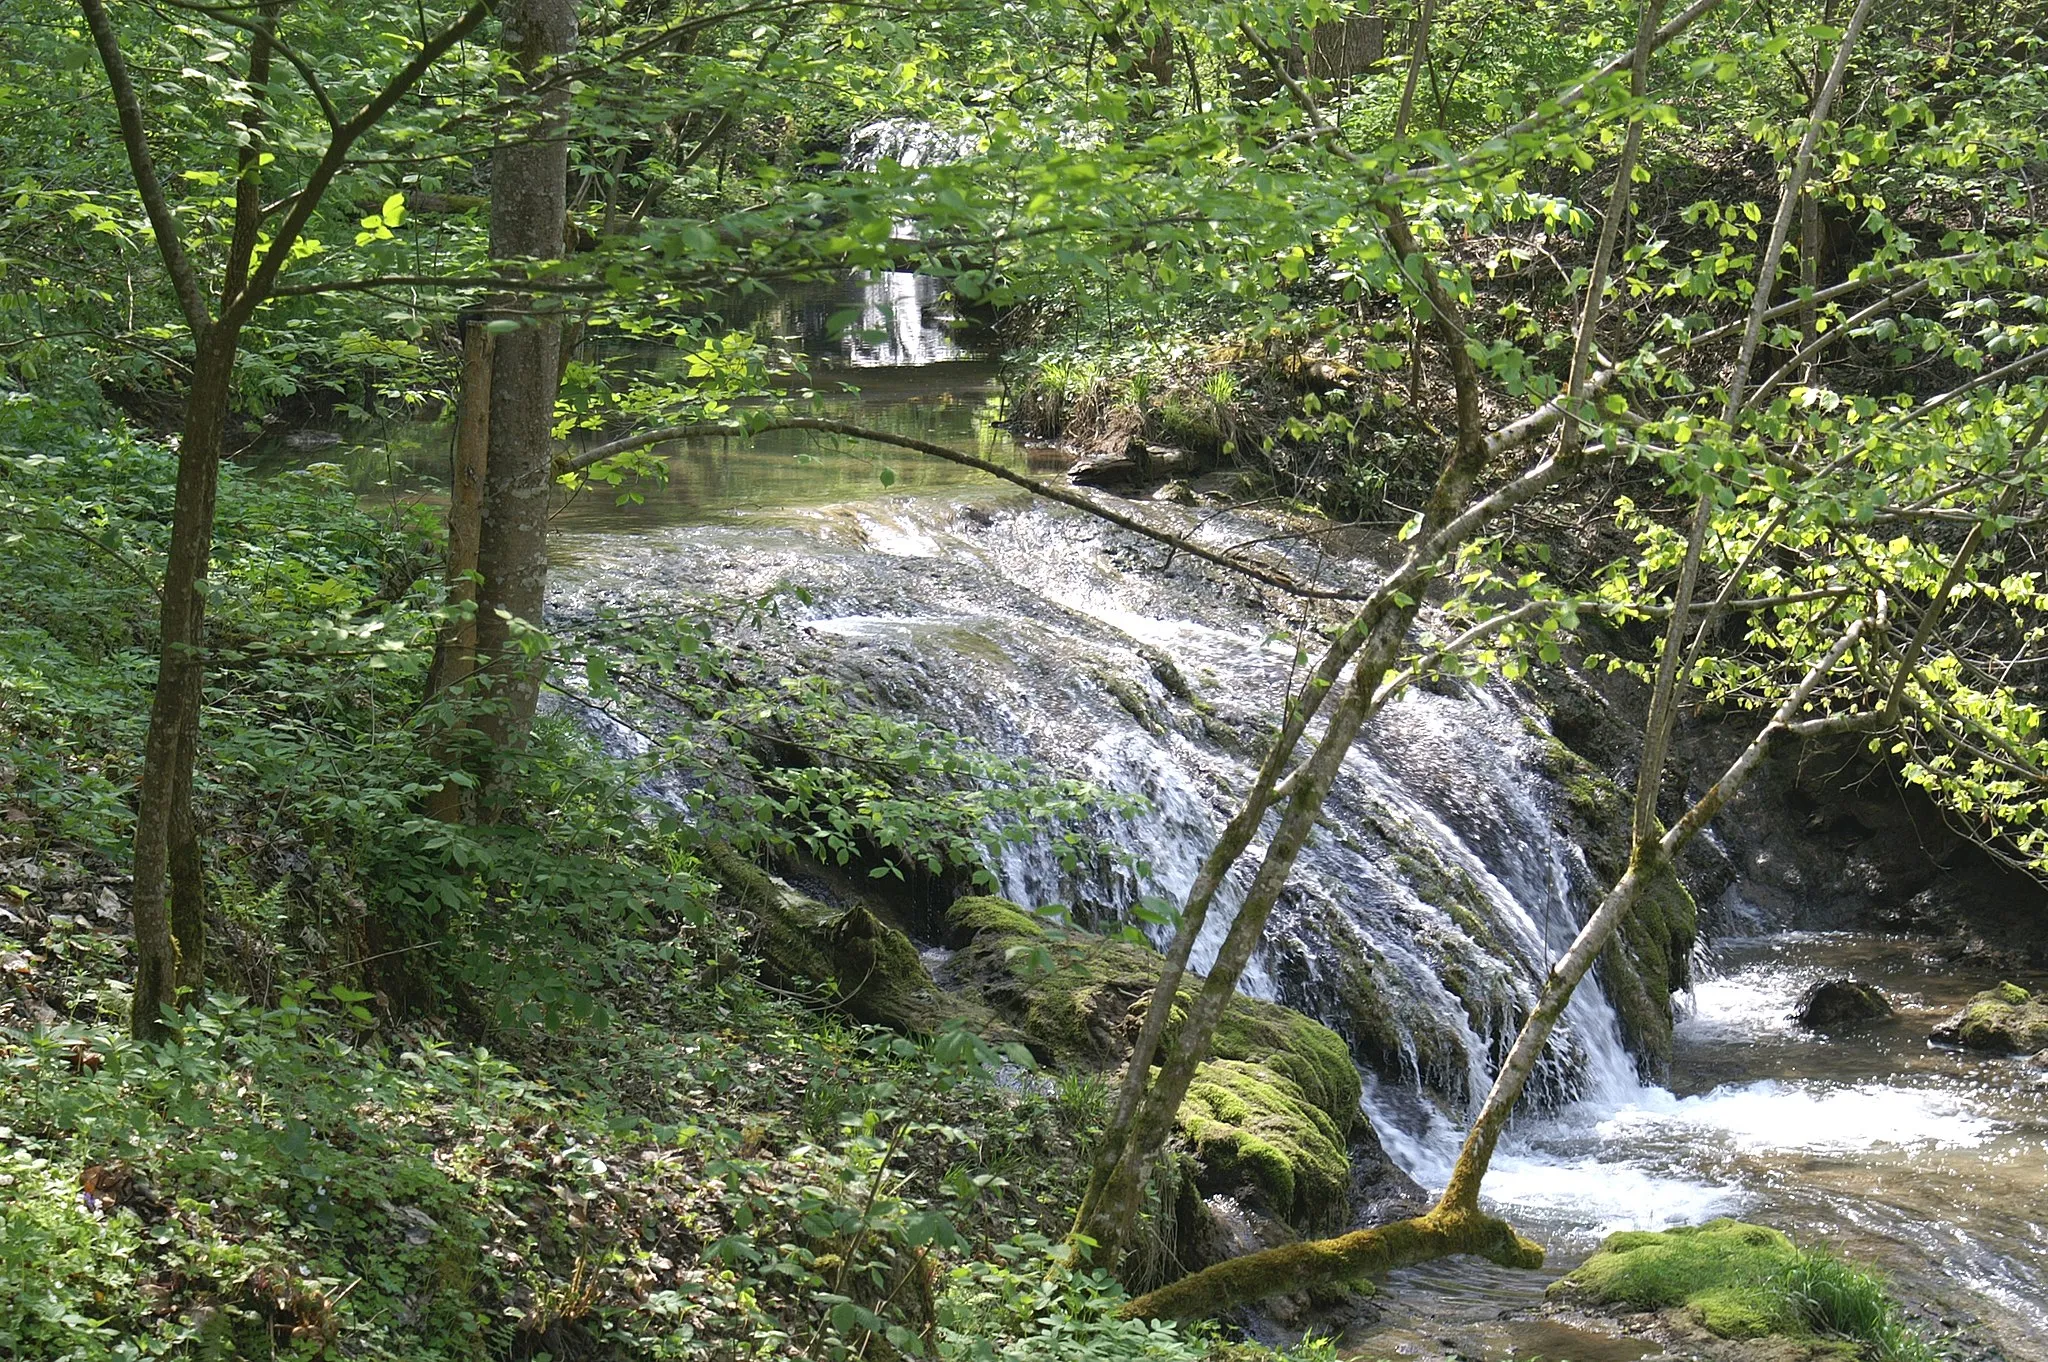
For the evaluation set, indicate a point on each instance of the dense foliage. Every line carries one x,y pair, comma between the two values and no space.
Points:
1319,243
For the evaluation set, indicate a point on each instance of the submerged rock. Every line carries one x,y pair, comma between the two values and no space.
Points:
2005,1020
1840,1002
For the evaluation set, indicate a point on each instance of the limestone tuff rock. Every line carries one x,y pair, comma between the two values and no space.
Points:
1835,1003
2004,1020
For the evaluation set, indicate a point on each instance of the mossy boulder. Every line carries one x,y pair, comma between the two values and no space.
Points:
1748,1282
970,917
1251,1127
1649,960
2005,1020
848,957
1083,997
1273,1109
1728,1275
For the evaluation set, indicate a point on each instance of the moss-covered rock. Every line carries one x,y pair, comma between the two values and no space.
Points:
1730,1275
970,917
849,957
1251,1127
1300,1049
1072,993
1650,960
2006,1020
1278,1098
1743,1281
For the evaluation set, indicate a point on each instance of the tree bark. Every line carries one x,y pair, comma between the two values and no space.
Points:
455,648
166,845
529,203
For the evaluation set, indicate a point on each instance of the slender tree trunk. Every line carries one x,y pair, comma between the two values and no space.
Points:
167,856
529,203
1149,1104
168,899
455,648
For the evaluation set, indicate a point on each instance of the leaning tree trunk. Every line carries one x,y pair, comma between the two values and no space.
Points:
1147,1106
529,206
1456,1224
1457,1213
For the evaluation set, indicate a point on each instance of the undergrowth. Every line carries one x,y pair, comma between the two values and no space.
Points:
506,1091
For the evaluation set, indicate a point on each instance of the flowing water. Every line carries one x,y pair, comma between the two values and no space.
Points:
1044,634
1928,1162
1421,917
1436,889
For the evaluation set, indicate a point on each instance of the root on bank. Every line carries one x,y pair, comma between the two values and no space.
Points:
1325,1262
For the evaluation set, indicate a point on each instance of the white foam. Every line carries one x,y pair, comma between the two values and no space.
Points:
1596,1197
1750,1002
1811,1117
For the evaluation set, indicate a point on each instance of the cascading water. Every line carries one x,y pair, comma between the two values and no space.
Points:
1424,912
1418,920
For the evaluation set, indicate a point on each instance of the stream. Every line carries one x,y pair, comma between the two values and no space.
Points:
1422,916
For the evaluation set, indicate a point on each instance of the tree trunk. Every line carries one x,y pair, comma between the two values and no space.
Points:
529,203
455,648
1146,1110
1456,1224
168,899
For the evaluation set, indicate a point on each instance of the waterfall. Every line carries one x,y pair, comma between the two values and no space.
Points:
903,318
1423,914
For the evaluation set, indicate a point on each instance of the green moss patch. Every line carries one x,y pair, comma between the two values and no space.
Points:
1727,1273
1650,958
1647,962
1746,1281
970,917
1251,1126
2007,1020
1275,1106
